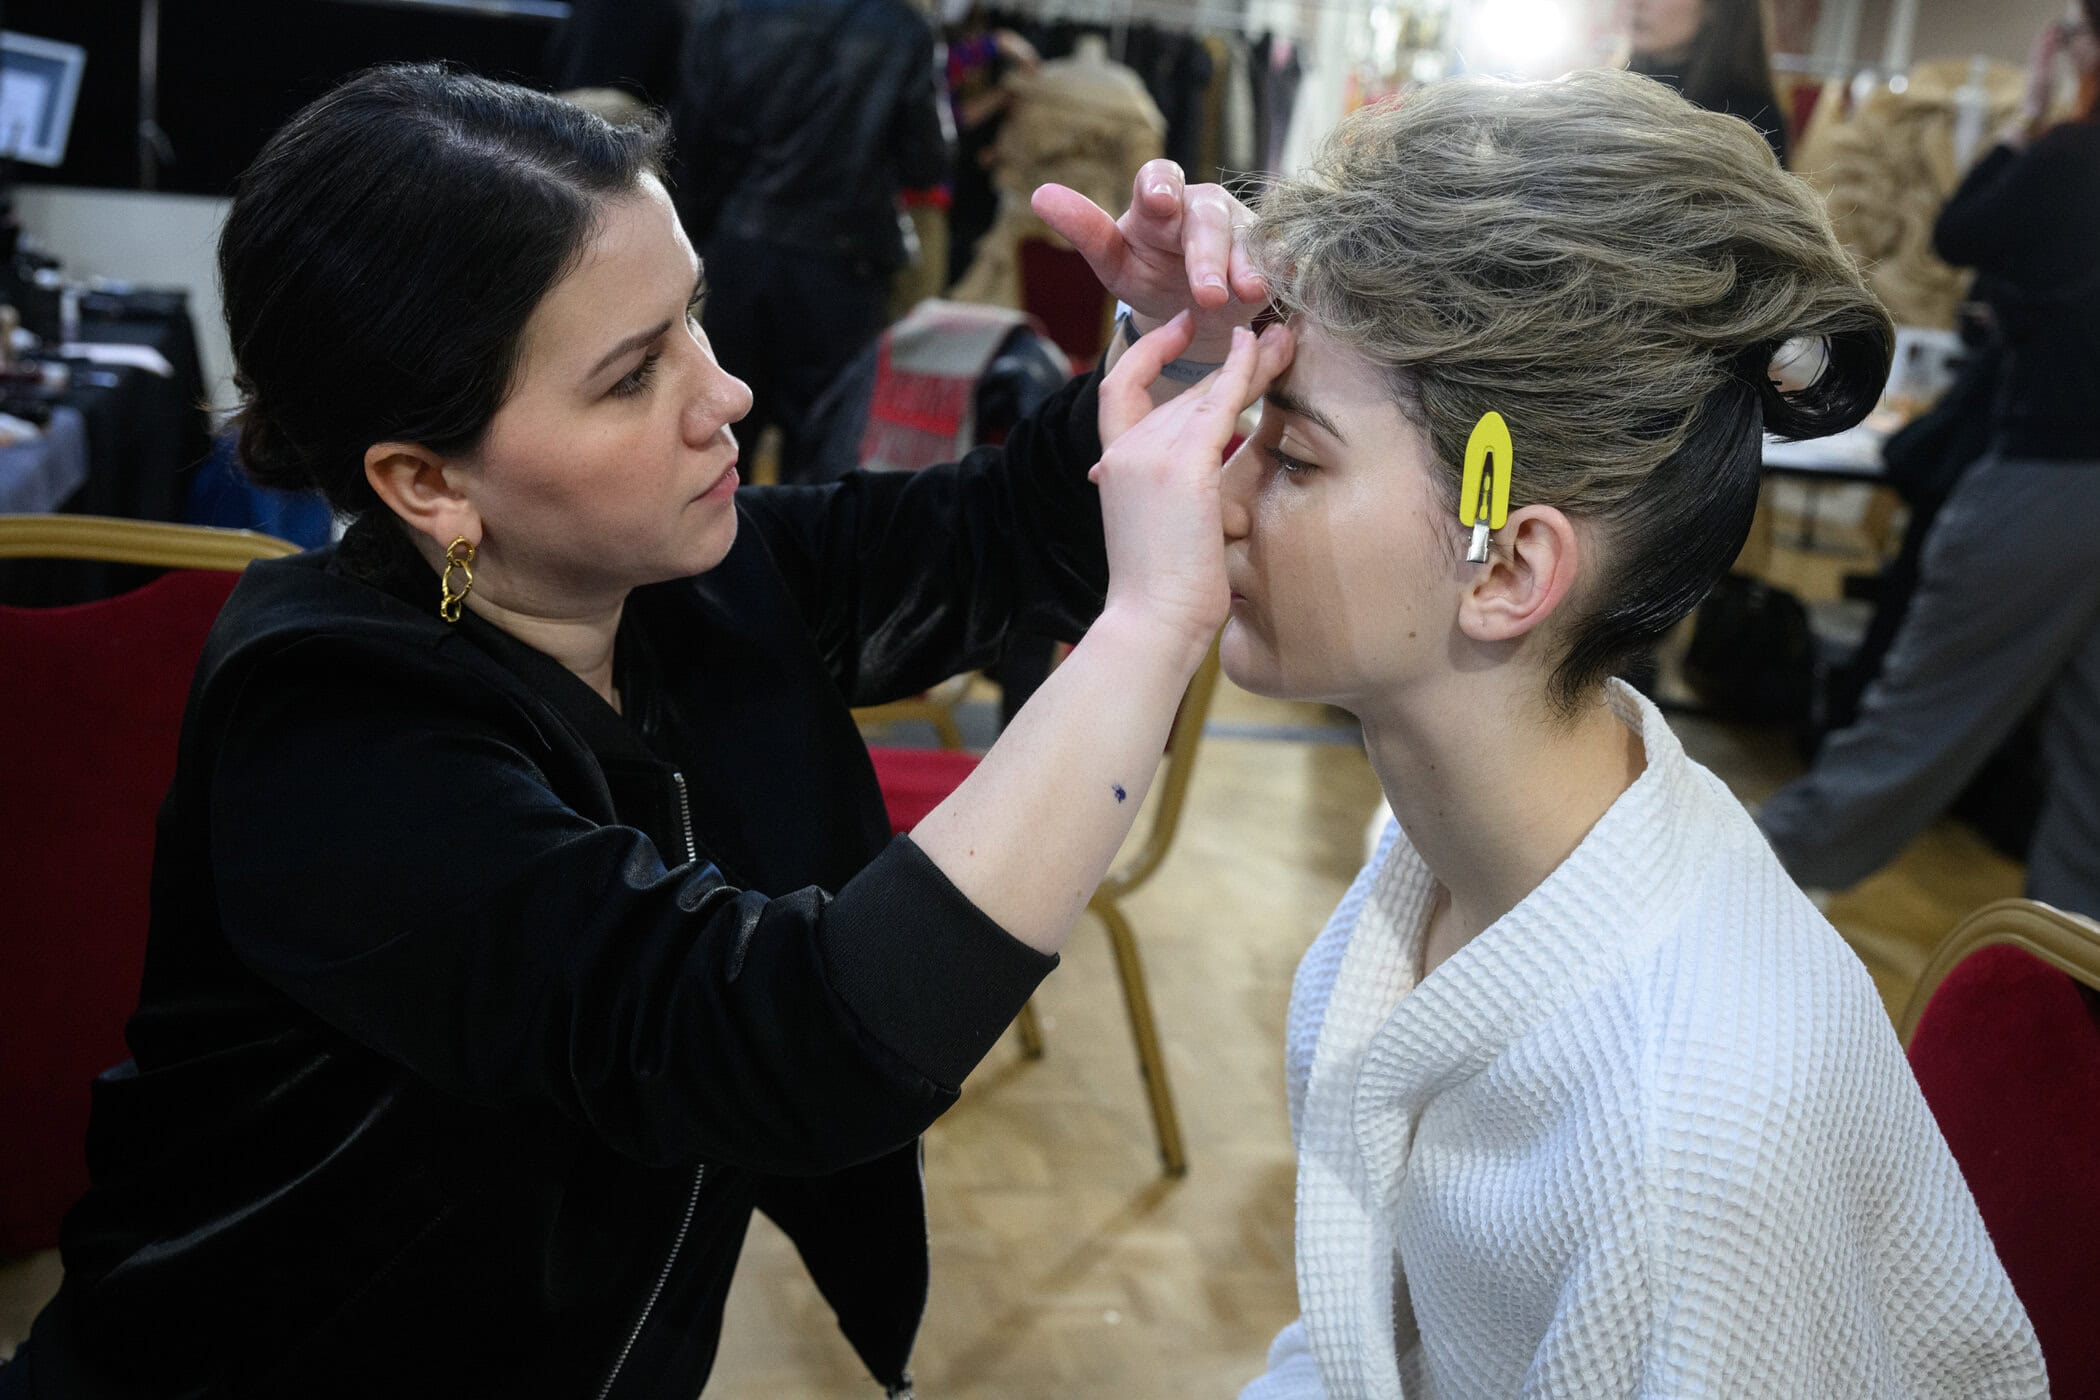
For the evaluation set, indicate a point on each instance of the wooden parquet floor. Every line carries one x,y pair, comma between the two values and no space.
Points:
1063,1265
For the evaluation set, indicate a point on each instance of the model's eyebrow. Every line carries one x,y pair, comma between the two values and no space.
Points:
1284,401
640,338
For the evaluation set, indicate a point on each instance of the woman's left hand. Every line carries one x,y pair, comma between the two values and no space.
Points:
1176,249
2041,73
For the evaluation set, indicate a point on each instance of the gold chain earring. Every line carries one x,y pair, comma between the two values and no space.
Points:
458,555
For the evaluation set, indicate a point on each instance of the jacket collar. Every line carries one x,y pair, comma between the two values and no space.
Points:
378,552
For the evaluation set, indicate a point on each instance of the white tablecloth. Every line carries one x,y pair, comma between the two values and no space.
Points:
39,475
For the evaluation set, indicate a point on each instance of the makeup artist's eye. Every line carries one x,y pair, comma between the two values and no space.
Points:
637,379
1289,465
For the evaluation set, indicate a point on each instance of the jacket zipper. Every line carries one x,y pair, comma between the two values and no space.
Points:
685,820
692,1200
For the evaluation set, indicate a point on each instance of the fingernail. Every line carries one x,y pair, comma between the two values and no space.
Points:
1162,188
1213,281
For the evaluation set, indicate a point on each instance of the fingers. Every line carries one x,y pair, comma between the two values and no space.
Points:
1224,390
1253,365
1156,193
1247,283
1123,398
1085,225
1208,413
1278,349
1213,409
1206,244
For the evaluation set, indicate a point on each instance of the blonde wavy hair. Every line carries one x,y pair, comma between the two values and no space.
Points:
1613,270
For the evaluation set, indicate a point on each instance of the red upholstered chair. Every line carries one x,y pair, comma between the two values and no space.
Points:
2004,1037
89,710
915,781
1061,291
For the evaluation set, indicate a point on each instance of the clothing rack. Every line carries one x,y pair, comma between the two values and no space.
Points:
1196,17
1199,17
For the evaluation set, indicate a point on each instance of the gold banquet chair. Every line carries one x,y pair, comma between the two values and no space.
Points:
2003,1035
915,781
91,699
1125,880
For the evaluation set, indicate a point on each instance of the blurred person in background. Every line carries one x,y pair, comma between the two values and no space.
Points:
1717,53
798,125
979,58
2006,614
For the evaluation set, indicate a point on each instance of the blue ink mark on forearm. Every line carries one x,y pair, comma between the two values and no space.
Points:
1120,794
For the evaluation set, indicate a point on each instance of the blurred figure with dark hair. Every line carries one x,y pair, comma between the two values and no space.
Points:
798,124
1717,54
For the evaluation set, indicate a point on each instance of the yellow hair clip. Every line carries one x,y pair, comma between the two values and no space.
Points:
1483,496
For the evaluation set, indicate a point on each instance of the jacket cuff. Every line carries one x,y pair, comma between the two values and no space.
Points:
922,968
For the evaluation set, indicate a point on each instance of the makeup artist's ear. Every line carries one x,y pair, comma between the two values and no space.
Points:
1531,566
423,488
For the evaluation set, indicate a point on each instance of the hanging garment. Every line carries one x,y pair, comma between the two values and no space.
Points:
1281,76
923,408
1885,167
1210,137
1083,122
1236,148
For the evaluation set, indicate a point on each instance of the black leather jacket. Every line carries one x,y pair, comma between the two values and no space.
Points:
798,122
477,1018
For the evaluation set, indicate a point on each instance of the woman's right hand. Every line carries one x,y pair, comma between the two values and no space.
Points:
1159,477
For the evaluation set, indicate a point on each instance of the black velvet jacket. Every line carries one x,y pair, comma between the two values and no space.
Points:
477,1018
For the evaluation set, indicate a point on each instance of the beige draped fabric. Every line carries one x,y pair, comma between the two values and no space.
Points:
1081,121
1887,166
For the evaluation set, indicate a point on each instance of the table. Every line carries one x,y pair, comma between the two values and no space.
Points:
38,475
1853,457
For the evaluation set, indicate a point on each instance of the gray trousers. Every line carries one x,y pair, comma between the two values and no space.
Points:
2007,612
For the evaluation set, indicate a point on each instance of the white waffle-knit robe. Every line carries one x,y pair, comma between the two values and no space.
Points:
1650,1134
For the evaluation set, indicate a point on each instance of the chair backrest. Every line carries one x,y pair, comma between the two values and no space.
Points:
89,711
2004,1037
915,781
1059,289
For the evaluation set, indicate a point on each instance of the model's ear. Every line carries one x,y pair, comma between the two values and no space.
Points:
423,488
1530,568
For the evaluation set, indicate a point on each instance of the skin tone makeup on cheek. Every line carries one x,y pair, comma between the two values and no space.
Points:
1350,586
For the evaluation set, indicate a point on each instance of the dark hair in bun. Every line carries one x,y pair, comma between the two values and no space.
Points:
384,254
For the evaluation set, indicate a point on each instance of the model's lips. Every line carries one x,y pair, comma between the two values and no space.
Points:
724,485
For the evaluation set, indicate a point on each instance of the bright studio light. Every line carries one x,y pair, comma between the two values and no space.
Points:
1517,36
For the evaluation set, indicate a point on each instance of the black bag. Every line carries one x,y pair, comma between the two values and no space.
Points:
1752,658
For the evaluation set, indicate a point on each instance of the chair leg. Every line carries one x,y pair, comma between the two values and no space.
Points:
1152,1061
1031,1032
